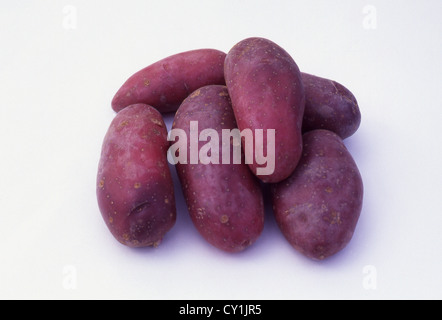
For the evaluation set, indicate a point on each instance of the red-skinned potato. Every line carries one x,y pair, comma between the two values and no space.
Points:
166,83
267,93
134,186
318,206
329,105
224,200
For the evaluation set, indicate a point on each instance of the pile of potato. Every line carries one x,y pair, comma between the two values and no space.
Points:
257,87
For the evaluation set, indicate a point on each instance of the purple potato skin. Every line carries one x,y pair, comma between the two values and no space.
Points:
134,185
267,92
225,201
166,83
318,206
330,106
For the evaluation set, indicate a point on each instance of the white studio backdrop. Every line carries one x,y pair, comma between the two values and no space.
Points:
61,63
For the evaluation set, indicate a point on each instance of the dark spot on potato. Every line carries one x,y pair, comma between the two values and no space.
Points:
140,207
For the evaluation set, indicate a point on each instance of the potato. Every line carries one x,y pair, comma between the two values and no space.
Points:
134,186
329,105
166,83
267,93
224,200
318,206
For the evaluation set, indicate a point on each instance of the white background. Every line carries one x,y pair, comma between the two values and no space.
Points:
61,63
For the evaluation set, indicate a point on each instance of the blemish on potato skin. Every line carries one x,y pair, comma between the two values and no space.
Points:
303,217
336,218
223,94
123,123
195,94
224,219
321,257
156,132
157,122
200,211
